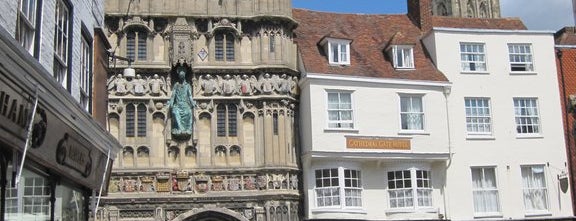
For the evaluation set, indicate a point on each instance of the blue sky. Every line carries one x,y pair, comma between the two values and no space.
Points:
537,14
366,6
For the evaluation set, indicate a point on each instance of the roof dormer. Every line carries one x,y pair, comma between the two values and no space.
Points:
337,49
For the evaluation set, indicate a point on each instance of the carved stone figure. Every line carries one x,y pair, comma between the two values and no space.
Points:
157,85
139,86
266,84
119,83
181,106
209,85
228,85
283,85
246,85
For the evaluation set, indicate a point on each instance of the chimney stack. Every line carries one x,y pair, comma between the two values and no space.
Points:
420,11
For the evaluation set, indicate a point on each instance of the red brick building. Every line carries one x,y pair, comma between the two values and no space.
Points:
566,62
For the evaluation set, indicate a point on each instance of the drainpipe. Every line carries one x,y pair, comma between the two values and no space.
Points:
447,91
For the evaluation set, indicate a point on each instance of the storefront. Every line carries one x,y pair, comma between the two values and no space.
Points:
69,155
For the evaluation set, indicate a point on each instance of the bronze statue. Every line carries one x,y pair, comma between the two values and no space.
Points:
181,106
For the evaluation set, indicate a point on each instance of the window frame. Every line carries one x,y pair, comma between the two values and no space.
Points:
342,53
137,44
478,57
62,56
478,116
86,64
529,56
136,127
422,112
227,121
341,187
484,189
227,46
544,188
413,188
396,50
28,25
536,127
340,122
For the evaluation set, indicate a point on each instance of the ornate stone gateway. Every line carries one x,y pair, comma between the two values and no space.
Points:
208,123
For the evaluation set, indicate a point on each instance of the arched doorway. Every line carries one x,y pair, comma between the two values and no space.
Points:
212,214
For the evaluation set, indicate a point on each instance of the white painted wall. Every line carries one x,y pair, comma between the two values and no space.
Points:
504,149
376,106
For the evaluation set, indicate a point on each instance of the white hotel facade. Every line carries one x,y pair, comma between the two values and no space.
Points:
385,138
507,142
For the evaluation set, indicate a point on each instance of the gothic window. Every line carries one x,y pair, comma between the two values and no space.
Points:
272,43
226,120
141,120
136,44
275,123
224,47
130,120
135,118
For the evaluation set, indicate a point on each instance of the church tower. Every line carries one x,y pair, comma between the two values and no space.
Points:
467,8
238,158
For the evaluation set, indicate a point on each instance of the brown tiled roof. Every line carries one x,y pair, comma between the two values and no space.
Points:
370,35
566,36
479,23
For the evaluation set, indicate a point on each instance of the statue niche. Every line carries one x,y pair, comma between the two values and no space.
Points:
181,104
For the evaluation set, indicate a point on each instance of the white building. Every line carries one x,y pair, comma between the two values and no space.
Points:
508,151
373,119
407,120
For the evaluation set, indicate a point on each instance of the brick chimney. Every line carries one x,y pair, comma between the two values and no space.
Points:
420,11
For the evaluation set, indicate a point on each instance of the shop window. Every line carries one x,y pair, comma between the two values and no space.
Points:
30,200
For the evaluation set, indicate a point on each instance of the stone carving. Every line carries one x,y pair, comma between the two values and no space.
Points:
181,182
249,183
201,183
294,182
246,84
139,86
228,85
157,86
234,184
181,106
266,84
209,85
118,85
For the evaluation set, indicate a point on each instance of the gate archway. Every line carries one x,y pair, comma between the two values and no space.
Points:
212,214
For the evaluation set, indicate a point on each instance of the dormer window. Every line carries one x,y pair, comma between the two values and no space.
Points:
403,56
338,51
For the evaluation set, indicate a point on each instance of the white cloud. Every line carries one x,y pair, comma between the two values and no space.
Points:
540,14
